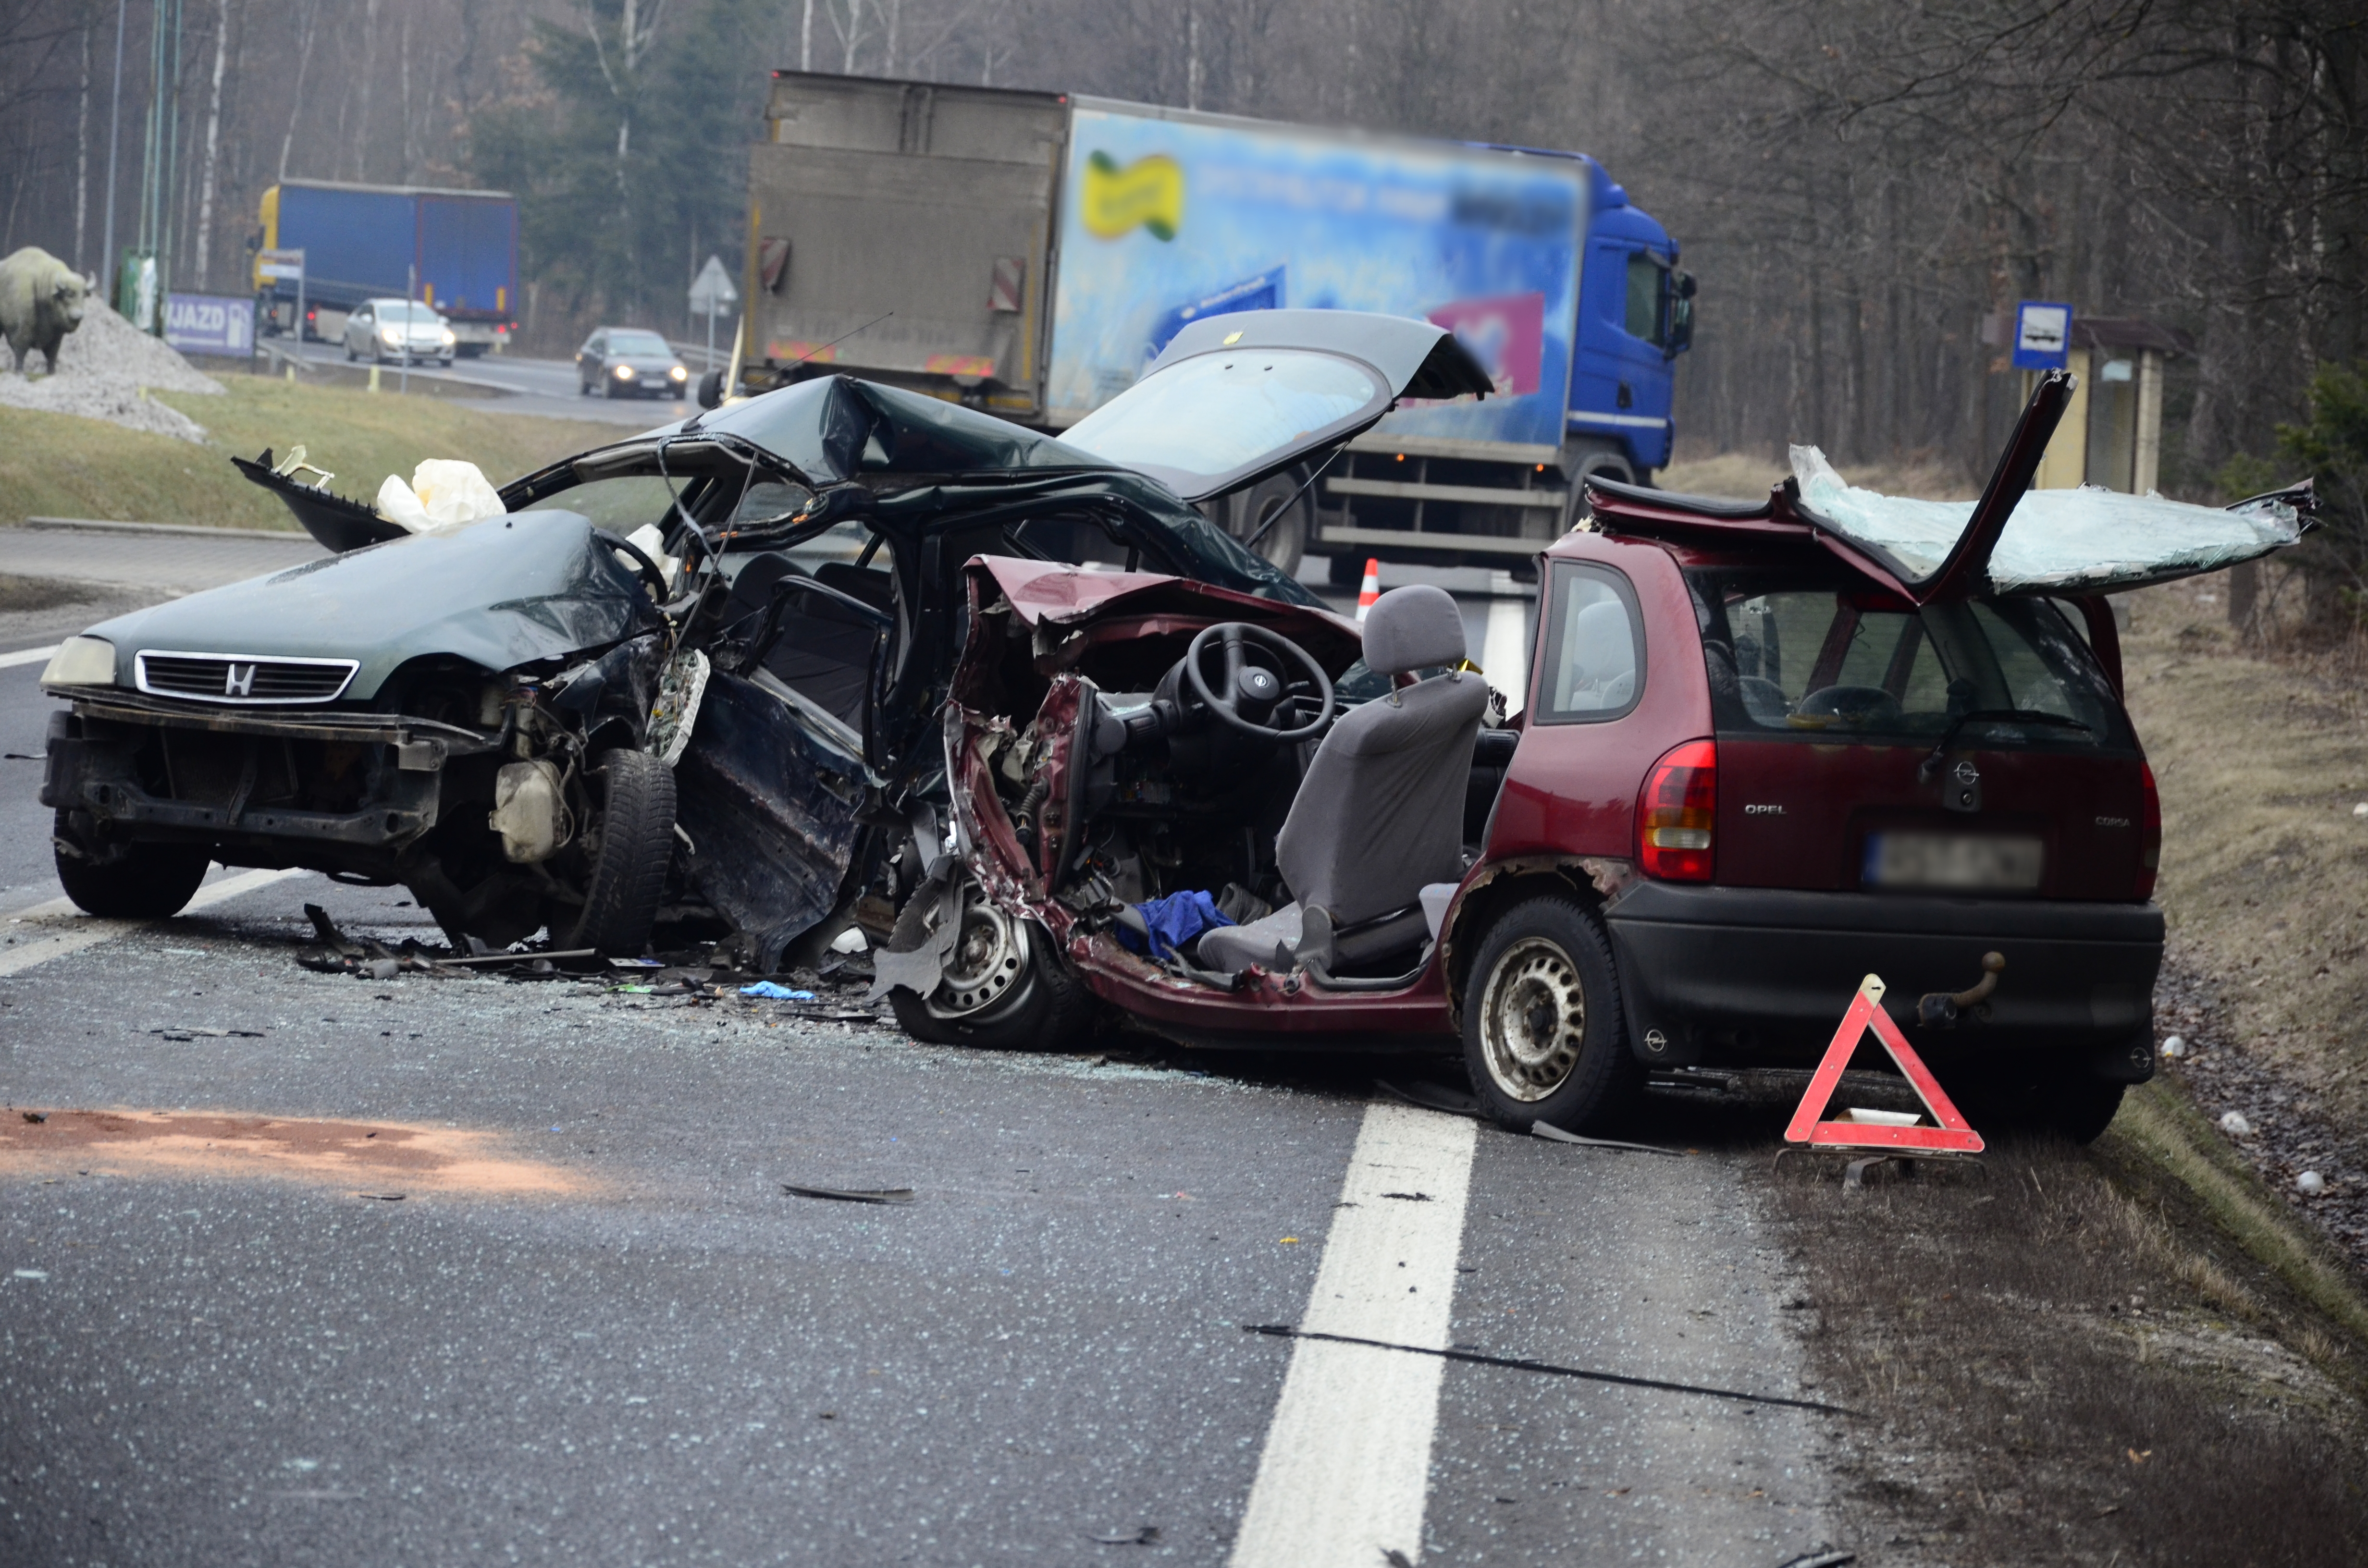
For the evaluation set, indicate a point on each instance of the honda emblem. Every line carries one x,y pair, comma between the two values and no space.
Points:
238,680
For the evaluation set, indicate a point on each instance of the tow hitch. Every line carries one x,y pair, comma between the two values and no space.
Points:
1939,1009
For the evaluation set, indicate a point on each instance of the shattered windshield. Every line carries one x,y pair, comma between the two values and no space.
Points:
1817,658
2056,540
836,427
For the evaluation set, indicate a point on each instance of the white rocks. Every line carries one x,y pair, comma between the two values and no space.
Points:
2361,810
2235,1125
2310,1183
2175,1047
106,369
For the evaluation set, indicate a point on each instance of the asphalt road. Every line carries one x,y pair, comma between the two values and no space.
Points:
454,1271
546,387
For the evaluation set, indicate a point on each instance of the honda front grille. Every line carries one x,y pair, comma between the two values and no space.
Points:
243,678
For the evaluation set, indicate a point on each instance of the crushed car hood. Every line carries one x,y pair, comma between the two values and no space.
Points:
502,593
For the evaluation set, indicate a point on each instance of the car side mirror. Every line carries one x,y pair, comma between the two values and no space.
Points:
711,389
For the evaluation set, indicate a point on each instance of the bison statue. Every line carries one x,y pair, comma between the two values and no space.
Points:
40,302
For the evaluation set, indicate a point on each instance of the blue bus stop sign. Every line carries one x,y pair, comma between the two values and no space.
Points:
2043,335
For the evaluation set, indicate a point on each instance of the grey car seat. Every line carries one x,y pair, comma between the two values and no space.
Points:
1379,816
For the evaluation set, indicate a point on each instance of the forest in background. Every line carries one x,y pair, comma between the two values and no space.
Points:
1861,186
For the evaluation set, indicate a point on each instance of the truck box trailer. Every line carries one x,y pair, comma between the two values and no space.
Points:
1030,253
454,250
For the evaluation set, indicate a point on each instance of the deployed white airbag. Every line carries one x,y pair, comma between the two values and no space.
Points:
2072,541
444,494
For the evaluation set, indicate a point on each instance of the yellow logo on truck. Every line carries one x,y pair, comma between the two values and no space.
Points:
1149,191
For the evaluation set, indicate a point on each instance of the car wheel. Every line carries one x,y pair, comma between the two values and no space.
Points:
635,845
1006,983
1274,513
608,388
127,881
350,355
2082,1107
1545,1039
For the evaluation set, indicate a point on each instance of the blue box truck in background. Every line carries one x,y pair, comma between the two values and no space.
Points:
454,250
1038,249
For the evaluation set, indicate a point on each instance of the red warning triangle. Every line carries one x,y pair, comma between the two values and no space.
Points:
1952,1136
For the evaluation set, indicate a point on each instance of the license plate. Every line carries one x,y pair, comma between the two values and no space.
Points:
1950,860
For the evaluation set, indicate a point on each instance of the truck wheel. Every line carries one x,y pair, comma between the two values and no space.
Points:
633,845
1006,983
127,881
1545,1039
1274,513
1607,461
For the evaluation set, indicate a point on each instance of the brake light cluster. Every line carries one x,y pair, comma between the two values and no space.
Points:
1676,814
2149,832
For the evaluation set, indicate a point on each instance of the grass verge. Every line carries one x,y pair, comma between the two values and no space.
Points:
56,465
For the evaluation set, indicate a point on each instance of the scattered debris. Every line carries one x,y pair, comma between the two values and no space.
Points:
37,1116
186,1032
2310,1183
382,1197
772,991
1474,1357
2235,1125
857,1194
1409,1196
1819,1556
1396,1559
2175,1047
1147,1535
33,1274
1548,1130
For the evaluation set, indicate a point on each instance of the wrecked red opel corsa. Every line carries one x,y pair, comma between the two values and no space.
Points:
1763,750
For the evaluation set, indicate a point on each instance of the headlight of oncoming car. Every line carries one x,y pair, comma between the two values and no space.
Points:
390,333
678,373
625,373
80,661
447,335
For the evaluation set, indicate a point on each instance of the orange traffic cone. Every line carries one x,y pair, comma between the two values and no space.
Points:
1370,589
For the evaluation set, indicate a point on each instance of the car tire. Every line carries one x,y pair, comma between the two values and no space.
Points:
634,848
2082,1107
608,388
129,881
1280,497
350,355
1545,1038
1045,1006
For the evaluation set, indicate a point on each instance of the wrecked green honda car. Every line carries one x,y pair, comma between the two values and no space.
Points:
686,682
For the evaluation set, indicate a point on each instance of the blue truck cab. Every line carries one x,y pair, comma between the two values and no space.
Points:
1635,316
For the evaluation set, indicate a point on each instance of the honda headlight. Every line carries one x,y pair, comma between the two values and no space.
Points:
80,661
625,373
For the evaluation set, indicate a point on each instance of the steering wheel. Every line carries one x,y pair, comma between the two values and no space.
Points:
1250,693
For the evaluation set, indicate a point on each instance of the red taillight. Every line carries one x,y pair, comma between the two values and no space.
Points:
1676,814
2149,832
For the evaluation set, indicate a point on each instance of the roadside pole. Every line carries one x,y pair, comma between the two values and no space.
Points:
711,292
410,289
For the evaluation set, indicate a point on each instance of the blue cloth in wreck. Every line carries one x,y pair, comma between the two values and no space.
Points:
1173,922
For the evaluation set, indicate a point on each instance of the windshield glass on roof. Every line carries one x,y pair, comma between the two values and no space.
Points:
1818,657
2069,541
1205,417
648,343
836,427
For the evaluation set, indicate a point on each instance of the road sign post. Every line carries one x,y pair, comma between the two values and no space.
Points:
711,292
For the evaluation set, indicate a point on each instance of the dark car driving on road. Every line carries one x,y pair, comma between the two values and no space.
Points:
625,361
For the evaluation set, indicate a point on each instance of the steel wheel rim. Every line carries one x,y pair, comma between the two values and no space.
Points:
1533,1019
989,960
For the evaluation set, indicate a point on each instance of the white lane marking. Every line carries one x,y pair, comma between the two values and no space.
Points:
1346,1466
1504,652
26,656
84,931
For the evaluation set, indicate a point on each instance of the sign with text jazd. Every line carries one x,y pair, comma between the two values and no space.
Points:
210,323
